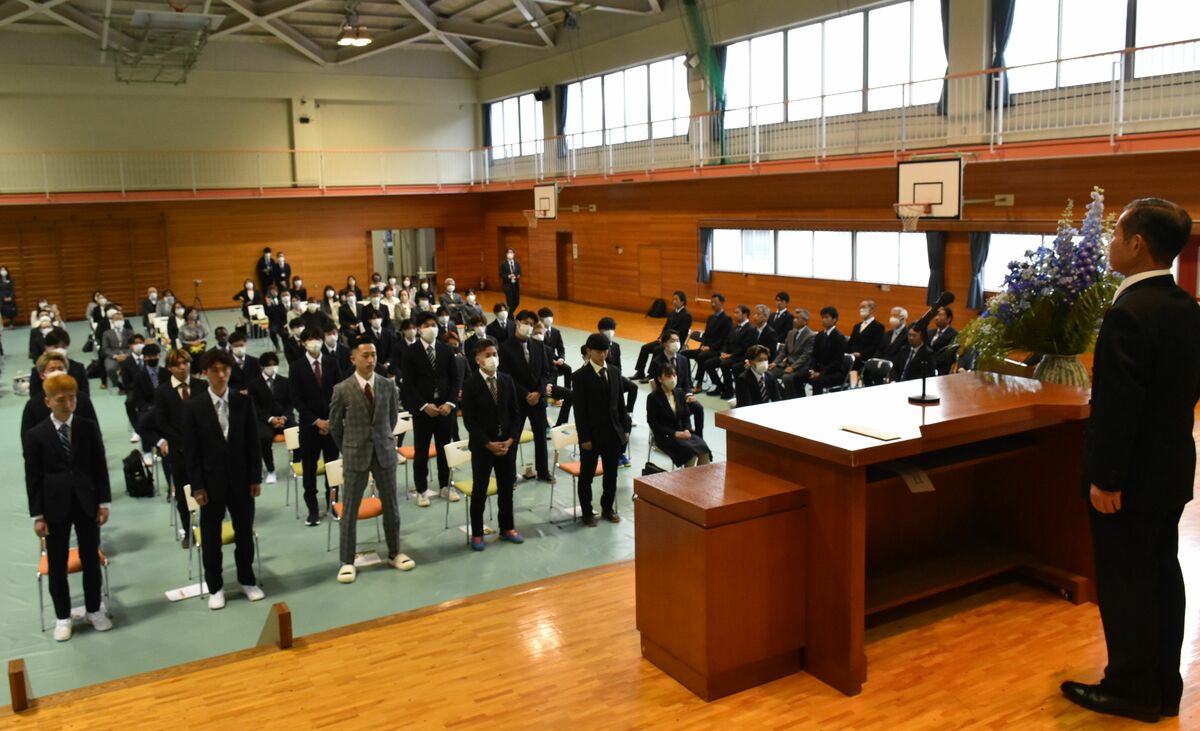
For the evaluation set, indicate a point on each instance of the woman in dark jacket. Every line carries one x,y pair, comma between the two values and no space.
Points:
8,297
670,422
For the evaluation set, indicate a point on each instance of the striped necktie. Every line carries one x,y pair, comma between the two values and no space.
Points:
64,437
762,388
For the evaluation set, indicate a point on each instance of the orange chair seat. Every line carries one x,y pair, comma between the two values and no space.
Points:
74,564
278,439
574,468
370,507
409,452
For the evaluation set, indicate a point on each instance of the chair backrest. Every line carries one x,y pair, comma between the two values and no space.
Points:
257,312
403,424
876,371
333,473
291,437
192,505
457,453
160,325
564,435
848,361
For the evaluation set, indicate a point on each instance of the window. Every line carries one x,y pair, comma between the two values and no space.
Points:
1166,21
1006,248
630,105
883,257
516,126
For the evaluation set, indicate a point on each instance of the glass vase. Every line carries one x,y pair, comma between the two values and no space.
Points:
1064,369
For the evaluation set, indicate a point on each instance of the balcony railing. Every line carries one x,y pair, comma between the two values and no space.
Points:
1148,89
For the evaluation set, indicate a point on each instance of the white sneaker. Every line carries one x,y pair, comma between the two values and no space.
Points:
253,593
422,500
450,494
271,479
99,621
347,574
217,600
62,630
134,438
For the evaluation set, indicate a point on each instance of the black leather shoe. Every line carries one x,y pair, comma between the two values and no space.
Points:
1169,710
611,517
312,520
1095,698
589,521
186,543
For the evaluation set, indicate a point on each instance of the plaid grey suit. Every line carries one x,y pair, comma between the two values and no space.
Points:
363,433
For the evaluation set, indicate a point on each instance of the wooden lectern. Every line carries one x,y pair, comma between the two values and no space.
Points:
1004,455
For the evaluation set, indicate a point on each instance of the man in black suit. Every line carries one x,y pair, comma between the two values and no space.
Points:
501,328
510,275
36,410
781,319
916,360
170,427
246,368
527,362
716,330
670,353
476,332
334,348
59,341
265,269
679,320
66,481
225,473
940,339
149,308
554,345
866,338
741,336
311,379
603,425
829,349
144,375
283,272
895,342
756,385
429,385
1139,464
293,346
380,335
277,308
493,421
272,398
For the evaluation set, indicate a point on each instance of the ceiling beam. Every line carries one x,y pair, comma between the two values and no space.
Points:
419,10
383,42
536,17
73,17
491,32
281,30
228,29
638,7
276,8
11,12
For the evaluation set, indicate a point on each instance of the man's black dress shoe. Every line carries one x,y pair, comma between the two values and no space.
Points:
1095,698
1170,710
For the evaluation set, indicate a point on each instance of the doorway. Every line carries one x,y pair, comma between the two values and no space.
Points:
564,246
400,251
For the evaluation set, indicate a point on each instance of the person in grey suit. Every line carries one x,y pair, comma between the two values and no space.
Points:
795,354
114,347
362,415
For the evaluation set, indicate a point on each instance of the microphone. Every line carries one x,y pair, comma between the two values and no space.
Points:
945,298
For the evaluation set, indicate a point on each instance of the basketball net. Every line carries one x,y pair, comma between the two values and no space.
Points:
530,217
910,214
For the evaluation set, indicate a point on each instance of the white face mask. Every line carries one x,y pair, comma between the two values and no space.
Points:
351,302
60,351
375,301
376,323
239,351
137,348
299,283
392,281
548,321
760,367
671,349
480,331
407,283
297,333
170,299
610,333
424,286
894,322
539,337
510,256
179,312
450,288
669,383
471,298
329,294
312,306
331,341
443,321
249,287
118,324
287,301
270,370
312,346
410,335
45,329
502,316
102,301
153,296
524,329
429,334
281,260
490,363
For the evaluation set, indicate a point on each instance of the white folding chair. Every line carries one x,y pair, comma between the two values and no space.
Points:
403,426
227,538
561,437
458,453
371,506
291,439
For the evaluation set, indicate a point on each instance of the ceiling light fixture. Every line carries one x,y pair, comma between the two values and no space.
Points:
352,33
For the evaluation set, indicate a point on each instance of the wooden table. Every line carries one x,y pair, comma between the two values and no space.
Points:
1005,457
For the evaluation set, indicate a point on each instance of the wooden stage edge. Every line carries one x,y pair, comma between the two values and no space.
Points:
300,643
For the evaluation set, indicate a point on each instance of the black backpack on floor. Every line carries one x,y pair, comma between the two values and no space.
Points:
137,476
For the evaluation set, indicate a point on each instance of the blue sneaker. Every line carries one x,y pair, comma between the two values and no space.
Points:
512,536
624,461
477,543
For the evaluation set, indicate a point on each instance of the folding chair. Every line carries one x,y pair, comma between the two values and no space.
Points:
403,426
408,452
876,371
847,364
651,448
458,453
74,566
526,438
291,437
258,323
227,538
562,437
371,506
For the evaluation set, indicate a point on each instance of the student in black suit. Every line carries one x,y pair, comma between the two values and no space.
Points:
757,385
225,472
311,379
895,342
36,410
249,295
381,335
916,360
866,338
668,418
66,481
782,319
144,377
246,368
149,308
940,339
716,330
333,347
731,353
672,355
603,425
476,332
608,326
277,308
299,291
501,328
406,335
283,272
829,349
1139,464
429,385
265,268
679,320
59,341
374,309
527,361
554,345
170,425
272,398
493,420
510,275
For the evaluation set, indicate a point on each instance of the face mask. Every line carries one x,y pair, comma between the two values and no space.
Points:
450,288
376,323
443,321
894,322
118,324
331,341
170,299
249,287
42,304
471,298
480,331
351,301
49,373
502,316
299,284
548,321
524,329
152,362
669,383
410,335
539,337
102,302
610,333
760,367
281,260
864,312
352,283
375,301
45,330
671,349
297,333
153,297
60,351
392,281
429,334
137,348
3,272
424,286
490,363
179,312
407,283
329,294
509,256
239,351
287,301
312,346
270,370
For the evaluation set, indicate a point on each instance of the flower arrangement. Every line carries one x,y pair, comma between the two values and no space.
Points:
1053,300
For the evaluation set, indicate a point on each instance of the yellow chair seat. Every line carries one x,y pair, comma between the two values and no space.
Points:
467,486
409,452
370,507
526,437
227,535
74,563
574,468
298,467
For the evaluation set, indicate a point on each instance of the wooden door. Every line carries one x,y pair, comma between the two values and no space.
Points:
565,249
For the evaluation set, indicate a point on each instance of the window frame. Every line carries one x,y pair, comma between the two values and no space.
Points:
515,148
607,133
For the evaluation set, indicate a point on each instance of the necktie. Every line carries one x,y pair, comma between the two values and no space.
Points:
139,362
370,396
762,389
432,357
186,394
223,417
604,376
153,377
525,345
64,437
317,370
492,387
911,353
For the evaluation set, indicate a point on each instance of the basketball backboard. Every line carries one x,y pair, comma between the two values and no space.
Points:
545,201
937,183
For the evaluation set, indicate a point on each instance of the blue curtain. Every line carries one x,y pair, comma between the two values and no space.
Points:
943,106
935,245
717,132
1002,22
487,132
704,269
560,118
980,241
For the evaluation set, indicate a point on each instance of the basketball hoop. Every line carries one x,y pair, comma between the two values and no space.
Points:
910,214
530,217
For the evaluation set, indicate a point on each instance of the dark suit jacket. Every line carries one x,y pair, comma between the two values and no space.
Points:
382,312
944,352
244,374
680,322
739,339
385,343
867,342
781,321
140,394
600,415
1145,385
265,269
828,351
292,349
272,401
499,333
683,371
487,420
217,464
341,358
716,330
554,343
36,411
52,479
893,349
423,383
170,414
283,275
75,370
528,377
662,421
746,389
921,365
768,338
308,397
505,272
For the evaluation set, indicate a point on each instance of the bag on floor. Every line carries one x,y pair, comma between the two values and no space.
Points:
90,345
137,476
658,308
651,469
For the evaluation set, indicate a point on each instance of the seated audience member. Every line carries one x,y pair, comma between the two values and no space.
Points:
764,335
716,330
555,347
916,360
66,482
193,336
175,323
249,295
781,319
671,354
245,367
170,426
114,348
388,302
149,309
403,309
299,291
351,316
277,308
272,398
829,349
667,415
59,341
37,336
866,339
424,297
940,340
335,349
503,326
896,340
732,352
50,363
314,317
453,302
166,303
444,324
795,357
679,320
352,287
375,309
756,385
331,304
471,308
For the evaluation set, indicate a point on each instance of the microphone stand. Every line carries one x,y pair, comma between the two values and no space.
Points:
925,398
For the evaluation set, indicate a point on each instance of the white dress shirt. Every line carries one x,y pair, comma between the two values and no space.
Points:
1130,281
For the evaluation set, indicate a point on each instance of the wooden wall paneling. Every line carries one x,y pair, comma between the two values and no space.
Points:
151,256
649,272
10,256
564,248
41,272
